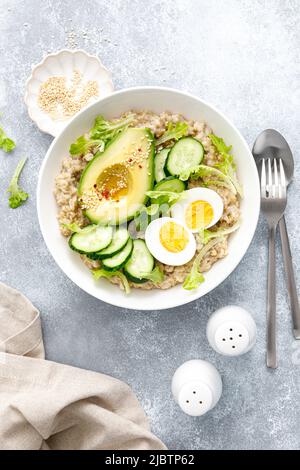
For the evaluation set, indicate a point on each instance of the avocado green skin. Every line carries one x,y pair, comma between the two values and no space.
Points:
150,179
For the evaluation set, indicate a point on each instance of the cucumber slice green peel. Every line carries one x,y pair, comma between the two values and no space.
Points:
117,261
159,164
140,263
91,239
119,240
171,183
185,155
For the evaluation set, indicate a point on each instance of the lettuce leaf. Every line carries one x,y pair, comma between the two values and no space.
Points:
17,195
204,170
98,273
207,235
101,133
164,197
107,130
83,145
227,164
155,276
174,132
73,227
220,145
195,278
152,209
6,143
185,175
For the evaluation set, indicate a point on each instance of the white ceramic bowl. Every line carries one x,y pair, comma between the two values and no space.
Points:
156,99
64,63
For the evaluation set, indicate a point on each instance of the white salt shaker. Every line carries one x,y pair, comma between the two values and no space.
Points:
196,387
231,331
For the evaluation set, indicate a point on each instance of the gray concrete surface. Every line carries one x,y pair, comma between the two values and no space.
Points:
240,55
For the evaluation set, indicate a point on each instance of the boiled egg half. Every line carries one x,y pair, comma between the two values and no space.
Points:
170,241
199,208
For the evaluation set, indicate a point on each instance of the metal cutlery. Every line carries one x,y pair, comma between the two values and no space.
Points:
273,203
271,144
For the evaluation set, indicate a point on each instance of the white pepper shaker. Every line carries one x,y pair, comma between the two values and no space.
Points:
231,331
196,387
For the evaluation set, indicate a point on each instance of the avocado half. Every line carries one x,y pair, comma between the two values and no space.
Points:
113,186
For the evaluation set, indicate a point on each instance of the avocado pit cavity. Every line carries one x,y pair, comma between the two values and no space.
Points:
114,182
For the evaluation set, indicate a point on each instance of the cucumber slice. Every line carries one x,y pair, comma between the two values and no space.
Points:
140,262
171,183
91,239
159,163
184,155
119,240
117,261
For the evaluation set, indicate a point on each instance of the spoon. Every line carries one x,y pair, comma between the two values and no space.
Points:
271,144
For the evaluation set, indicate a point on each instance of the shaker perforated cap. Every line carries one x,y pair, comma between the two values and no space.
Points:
196,387
231,331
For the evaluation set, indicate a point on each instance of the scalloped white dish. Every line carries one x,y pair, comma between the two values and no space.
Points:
63,64
154,99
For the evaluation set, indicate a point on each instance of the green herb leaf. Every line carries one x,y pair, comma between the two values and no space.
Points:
98,273
17,195
174,132
195,278
6,143
155,276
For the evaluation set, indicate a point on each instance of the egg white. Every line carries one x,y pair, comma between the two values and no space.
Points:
159,252
198,194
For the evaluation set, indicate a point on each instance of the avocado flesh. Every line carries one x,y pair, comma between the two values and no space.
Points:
113,186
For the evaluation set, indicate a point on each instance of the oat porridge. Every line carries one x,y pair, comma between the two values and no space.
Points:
149,200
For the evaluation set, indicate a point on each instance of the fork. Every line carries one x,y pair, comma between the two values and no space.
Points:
273,203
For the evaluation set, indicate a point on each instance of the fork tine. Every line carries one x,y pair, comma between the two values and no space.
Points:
282,180
270,187
263,178
276,189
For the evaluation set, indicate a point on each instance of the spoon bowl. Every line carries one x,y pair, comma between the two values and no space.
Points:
271,144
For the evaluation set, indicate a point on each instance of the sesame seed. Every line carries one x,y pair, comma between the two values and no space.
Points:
61,101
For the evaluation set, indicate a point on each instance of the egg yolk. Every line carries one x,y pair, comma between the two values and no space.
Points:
198,214
173,237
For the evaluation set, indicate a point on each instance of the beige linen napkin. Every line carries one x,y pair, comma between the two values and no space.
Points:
45,405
